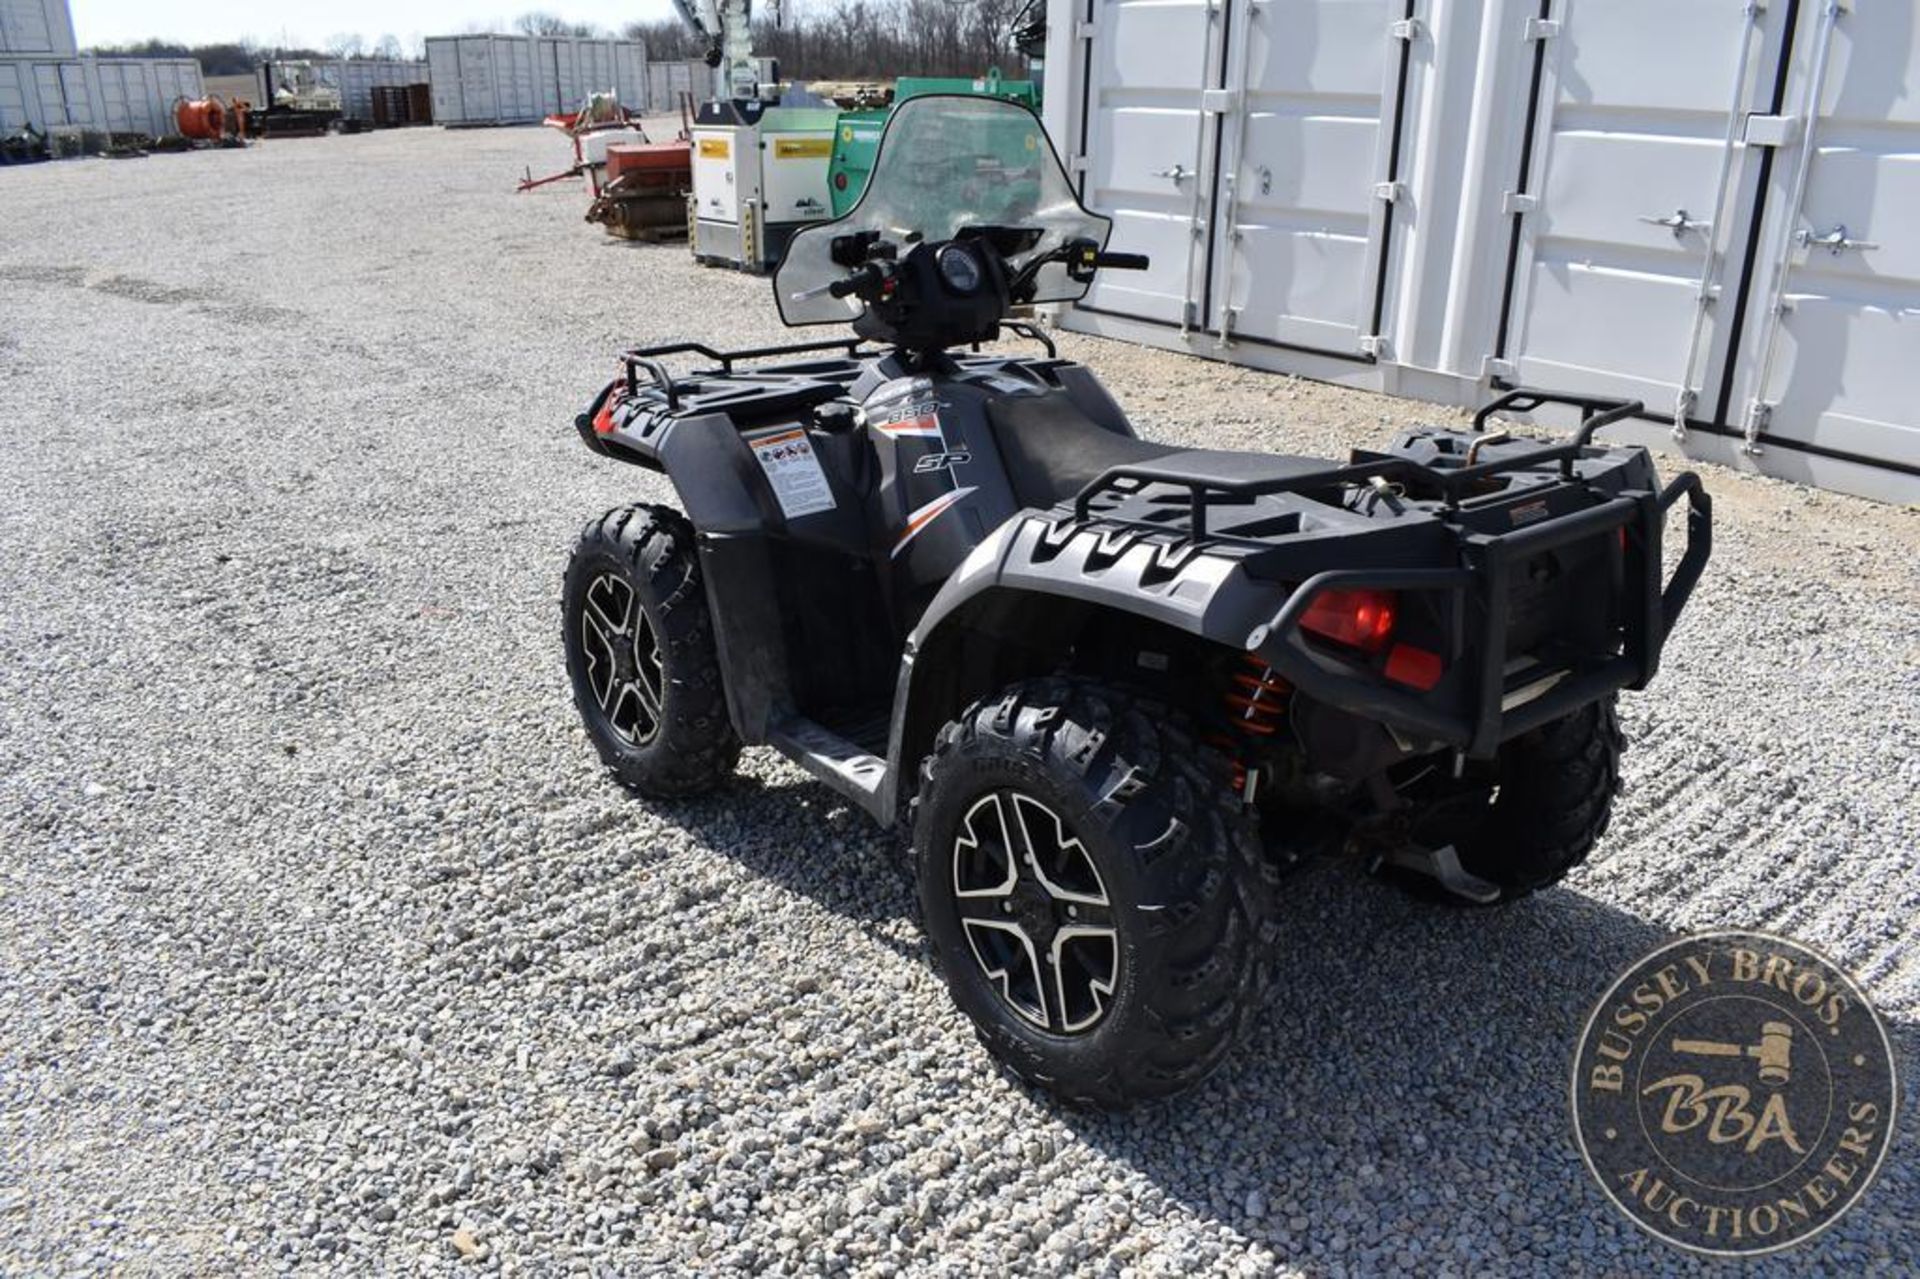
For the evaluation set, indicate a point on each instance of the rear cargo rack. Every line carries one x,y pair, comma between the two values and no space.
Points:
1650,611
1452,482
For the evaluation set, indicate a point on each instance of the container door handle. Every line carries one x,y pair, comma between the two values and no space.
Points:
1834,241
1178,173
1677,222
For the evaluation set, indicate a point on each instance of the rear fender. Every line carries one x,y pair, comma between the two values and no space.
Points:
1016,606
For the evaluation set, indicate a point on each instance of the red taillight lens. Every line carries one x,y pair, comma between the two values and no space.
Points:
839,181
1362,619
1414,667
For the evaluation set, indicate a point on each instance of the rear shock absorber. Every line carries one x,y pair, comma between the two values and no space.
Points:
1255,705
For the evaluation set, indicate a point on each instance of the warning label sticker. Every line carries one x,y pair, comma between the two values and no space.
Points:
798,483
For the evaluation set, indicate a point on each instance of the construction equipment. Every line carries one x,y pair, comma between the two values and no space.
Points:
759,175
600,123
299,101
646,190
857,132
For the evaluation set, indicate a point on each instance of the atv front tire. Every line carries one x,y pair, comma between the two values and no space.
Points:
1095,893
1554,798
641,656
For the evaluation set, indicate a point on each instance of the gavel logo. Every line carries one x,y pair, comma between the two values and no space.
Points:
1774,1052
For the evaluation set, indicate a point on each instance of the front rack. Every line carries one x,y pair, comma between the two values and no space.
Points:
854,348
1596,414
649,358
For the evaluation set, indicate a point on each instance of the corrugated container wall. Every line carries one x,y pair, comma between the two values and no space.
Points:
359,77
480,80
666,81
1700,204
119,95
43,27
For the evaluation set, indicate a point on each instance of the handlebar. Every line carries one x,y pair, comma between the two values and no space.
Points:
1122,261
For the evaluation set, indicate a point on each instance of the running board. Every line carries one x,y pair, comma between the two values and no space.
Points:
833,759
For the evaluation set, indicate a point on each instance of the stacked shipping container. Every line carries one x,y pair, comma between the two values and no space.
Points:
46,84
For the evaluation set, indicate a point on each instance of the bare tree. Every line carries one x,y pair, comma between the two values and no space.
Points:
347,44
388,49
539,23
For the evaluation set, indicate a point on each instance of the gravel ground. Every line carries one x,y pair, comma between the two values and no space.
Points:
324,943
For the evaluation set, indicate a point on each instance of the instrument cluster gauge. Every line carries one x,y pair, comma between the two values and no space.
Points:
960,270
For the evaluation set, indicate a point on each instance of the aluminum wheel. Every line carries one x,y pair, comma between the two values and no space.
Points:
1035,912
624,665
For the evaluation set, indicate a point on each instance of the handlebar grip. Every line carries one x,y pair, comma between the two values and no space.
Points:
870,274
1123,261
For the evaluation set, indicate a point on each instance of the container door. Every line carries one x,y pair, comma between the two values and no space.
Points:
1149,148
1836,320
1314,91
14,111
443,77
1635,197
478,98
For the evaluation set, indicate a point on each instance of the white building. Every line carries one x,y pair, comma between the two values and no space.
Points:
1703,204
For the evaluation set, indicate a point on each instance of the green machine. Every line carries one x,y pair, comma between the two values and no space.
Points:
856,137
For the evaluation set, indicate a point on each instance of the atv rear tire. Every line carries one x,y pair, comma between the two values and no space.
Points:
1555,797
1096,895
641,657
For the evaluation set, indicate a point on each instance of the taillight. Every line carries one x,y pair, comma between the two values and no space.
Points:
1414,667
1360,619
839,181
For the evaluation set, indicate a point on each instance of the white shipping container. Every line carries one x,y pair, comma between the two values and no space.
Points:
36,27
357,78
523,79
666,81
137,95
1694,203
120,95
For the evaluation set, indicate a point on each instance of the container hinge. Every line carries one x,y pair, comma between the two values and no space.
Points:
1542,28
1518,202
1759,417
1390,192
1078,164
1374,346
1496,367
1406,29
1228,316
1682,410
1219,101
1085,30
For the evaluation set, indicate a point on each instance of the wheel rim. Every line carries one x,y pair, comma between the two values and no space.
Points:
625,670
1035,912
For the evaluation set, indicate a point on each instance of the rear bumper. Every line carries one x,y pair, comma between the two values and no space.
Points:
1649,608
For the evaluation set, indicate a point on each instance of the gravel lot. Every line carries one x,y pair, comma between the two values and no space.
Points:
324,943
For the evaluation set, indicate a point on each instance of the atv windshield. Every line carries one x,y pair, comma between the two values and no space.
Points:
947,163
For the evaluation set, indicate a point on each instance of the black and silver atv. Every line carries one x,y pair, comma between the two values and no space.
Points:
1117,687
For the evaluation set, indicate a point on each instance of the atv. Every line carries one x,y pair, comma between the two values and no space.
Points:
1117,689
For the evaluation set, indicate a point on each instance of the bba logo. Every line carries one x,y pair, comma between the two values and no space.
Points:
1734,1093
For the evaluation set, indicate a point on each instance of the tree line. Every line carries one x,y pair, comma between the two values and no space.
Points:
829,40
873,39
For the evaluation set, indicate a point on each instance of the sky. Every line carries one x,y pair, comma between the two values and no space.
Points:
311,22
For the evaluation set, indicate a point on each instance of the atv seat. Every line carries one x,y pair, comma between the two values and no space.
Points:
1053,450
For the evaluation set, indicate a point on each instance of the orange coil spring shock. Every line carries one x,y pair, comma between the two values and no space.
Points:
1257,702
1256,707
